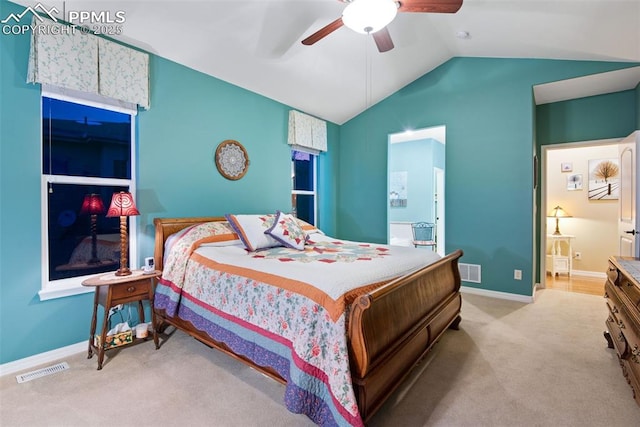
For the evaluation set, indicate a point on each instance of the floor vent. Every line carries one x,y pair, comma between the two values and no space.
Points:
470,272
23,378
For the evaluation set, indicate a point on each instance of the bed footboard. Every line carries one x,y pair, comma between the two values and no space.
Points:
393,327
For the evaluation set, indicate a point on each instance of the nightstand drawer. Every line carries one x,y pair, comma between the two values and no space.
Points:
131,289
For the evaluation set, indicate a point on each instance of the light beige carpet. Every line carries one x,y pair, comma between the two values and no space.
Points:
510,364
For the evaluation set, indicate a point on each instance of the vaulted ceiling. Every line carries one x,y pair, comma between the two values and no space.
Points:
256,44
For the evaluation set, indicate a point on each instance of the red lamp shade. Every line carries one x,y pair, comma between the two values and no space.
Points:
92,204
122,204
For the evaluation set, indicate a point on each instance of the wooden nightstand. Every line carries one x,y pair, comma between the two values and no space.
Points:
112,290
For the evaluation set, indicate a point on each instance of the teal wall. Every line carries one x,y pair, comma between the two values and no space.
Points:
417,158
191,113
594,117
488,109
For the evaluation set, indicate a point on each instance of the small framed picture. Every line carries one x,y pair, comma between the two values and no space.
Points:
566,166
574,182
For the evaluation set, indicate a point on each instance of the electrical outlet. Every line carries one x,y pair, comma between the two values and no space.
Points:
578,255
517,274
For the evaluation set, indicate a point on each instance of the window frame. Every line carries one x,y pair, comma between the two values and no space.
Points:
51,289
313,192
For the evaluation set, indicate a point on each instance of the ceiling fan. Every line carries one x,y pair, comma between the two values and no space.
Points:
372,17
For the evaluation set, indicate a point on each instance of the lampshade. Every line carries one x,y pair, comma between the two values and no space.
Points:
92,204
122,204
369,16
558,212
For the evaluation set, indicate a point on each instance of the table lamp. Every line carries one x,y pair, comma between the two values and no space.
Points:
122,205
558,213
92,205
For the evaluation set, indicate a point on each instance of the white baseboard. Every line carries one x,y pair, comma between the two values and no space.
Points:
583,273
497,294
42,358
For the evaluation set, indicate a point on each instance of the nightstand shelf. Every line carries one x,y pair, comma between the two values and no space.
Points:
112,290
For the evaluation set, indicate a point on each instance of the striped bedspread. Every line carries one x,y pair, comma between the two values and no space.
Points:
282,308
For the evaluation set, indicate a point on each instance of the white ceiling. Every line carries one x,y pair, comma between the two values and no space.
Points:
255,44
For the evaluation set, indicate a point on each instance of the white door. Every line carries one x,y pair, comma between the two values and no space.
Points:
627,227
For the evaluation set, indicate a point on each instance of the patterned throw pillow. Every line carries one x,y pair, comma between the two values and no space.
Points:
287,231
251,229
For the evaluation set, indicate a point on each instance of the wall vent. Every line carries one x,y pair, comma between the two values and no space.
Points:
23,378
470,272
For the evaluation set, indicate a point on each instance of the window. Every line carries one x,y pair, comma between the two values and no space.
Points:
87,155
303,196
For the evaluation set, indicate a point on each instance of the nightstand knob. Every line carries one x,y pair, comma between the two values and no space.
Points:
131,289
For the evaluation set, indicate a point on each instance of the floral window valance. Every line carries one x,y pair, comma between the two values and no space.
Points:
79,61
307,132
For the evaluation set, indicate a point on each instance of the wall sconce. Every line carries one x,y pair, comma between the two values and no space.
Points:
92,205
558,213
122,205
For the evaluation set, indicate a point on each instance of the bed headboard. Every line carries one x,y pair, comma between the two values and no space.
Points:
165,227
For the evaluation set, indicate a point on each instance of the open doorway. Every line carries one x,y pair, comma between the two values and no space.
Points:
415,180
578,239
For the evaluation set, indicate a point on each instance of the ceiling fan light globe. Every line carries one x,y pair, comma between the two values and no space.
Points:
369,16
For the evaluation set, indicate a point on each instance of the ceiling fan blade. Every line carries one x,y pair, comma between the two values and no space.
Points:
383,40
323,32
430,6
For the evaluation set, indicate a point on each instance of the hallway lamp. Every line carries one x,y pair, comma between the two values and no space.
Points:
122,205
558,213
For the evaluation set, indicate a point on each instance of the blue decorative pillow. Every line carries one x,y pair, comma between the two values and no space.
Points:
286,230
251,229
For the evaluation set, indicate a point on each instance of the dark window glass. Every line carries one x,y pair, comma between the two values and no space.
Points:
79,140
74,248
303,207
302,170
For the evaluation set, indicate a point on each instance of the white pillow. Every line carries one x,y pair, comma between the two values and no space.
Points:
251,229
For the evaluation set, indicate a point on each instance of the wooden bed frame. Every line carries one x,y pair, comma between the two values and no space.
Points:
390,329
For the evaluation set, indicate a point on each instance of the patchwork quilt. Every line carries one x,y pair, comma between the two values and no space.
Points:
282,308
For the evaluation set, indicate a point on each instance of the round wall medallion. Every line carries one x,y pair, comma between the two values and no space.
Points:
232,159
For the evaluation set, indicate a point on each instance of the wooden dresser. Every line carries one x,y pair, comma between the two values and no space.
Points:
622,293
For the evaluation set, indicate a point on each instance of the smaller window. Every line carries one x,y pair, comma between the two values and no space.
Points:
303,195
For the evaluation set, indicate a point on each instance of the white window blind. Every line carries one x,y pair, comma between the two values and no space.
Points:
307,133
75,60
